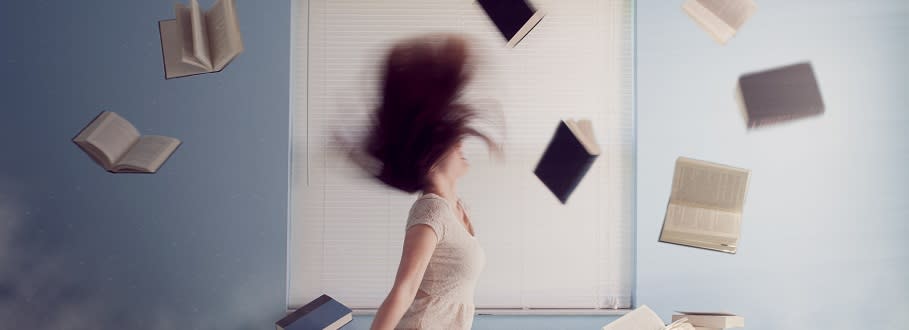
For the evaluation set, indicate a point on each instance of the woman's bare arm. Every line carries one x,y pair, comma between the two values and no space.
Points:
419,244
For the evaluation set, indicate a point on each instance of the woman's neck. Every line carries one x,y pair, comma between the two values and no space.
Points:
446,190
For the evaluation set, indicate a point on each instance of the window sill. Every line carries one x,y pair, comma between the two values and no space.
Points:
532,311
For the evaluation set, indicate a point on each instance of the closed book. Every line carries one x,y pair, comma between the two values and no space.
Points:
567,158
712,320
780,94
514,18
324,313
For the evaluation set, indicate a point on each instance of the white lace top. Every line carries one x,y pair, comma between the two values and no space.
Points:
446,296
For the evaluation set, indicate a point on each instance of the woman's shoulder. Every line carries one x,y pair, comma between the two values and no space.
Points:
429,205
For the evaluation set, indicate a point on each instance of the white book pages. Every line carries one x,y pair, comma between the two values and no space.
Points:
148,153
708,185
224,33
705,208
172,50
642,318
113,136
199,36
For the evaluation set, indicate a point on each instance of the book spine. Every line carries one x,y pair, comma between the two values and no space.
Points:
759,122
581,173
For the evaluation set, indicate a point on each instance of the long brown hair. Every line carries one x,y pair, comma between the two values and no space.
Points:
420,117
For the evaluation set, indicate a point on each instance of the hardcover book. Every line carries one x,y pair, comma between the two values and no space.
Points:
569,156
780,94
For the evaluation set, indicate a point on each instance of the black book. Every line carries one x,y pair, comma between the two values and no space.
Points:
568,157
780,94
324,313
514,18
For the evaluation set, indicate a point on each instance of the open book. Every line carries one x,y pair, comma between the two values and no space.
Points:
643,318
116,145
200,42
705,208
721,18
569,156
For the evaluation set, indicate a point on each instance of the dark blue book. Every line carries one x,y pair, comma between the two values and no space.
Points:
513,18
569,156
322,313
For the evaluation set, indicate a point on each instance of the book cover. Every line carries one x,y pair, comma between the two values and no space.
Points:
567,158
781,94
721,18
322,313
514,18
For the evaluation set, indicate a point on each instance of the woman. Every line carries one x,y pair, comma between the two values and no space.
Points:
416,139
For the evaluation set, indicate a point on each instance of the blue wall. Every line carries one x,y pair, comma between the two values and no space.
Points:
825,223
200,245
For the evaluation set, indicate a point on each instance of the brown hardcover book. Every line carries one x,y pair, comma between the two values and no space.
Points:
780,94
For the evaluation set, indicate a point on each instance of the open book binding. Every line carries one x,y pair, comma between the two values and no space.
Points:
198,42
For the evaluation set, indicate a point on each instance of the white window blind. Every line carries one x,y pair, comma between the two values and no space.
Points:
346,230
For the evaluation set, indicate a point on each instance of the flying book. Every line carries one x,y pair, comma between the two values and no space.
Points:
200,42
705,208
711,320
720,18
513,18
780,94
570,153
324,313
117,146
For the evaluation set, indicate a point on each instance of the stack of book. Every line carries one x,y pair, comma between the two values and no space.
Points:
710,320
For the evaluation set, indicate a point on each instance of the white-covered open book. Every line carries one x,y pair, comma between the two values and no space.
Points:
705,208
116,145
644,318
200,42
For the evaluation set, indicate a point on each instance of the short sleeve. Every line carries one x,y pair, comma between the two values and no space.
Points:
431,212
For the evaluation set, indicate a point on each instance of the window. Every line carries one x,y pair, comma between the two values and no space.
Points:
346,230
